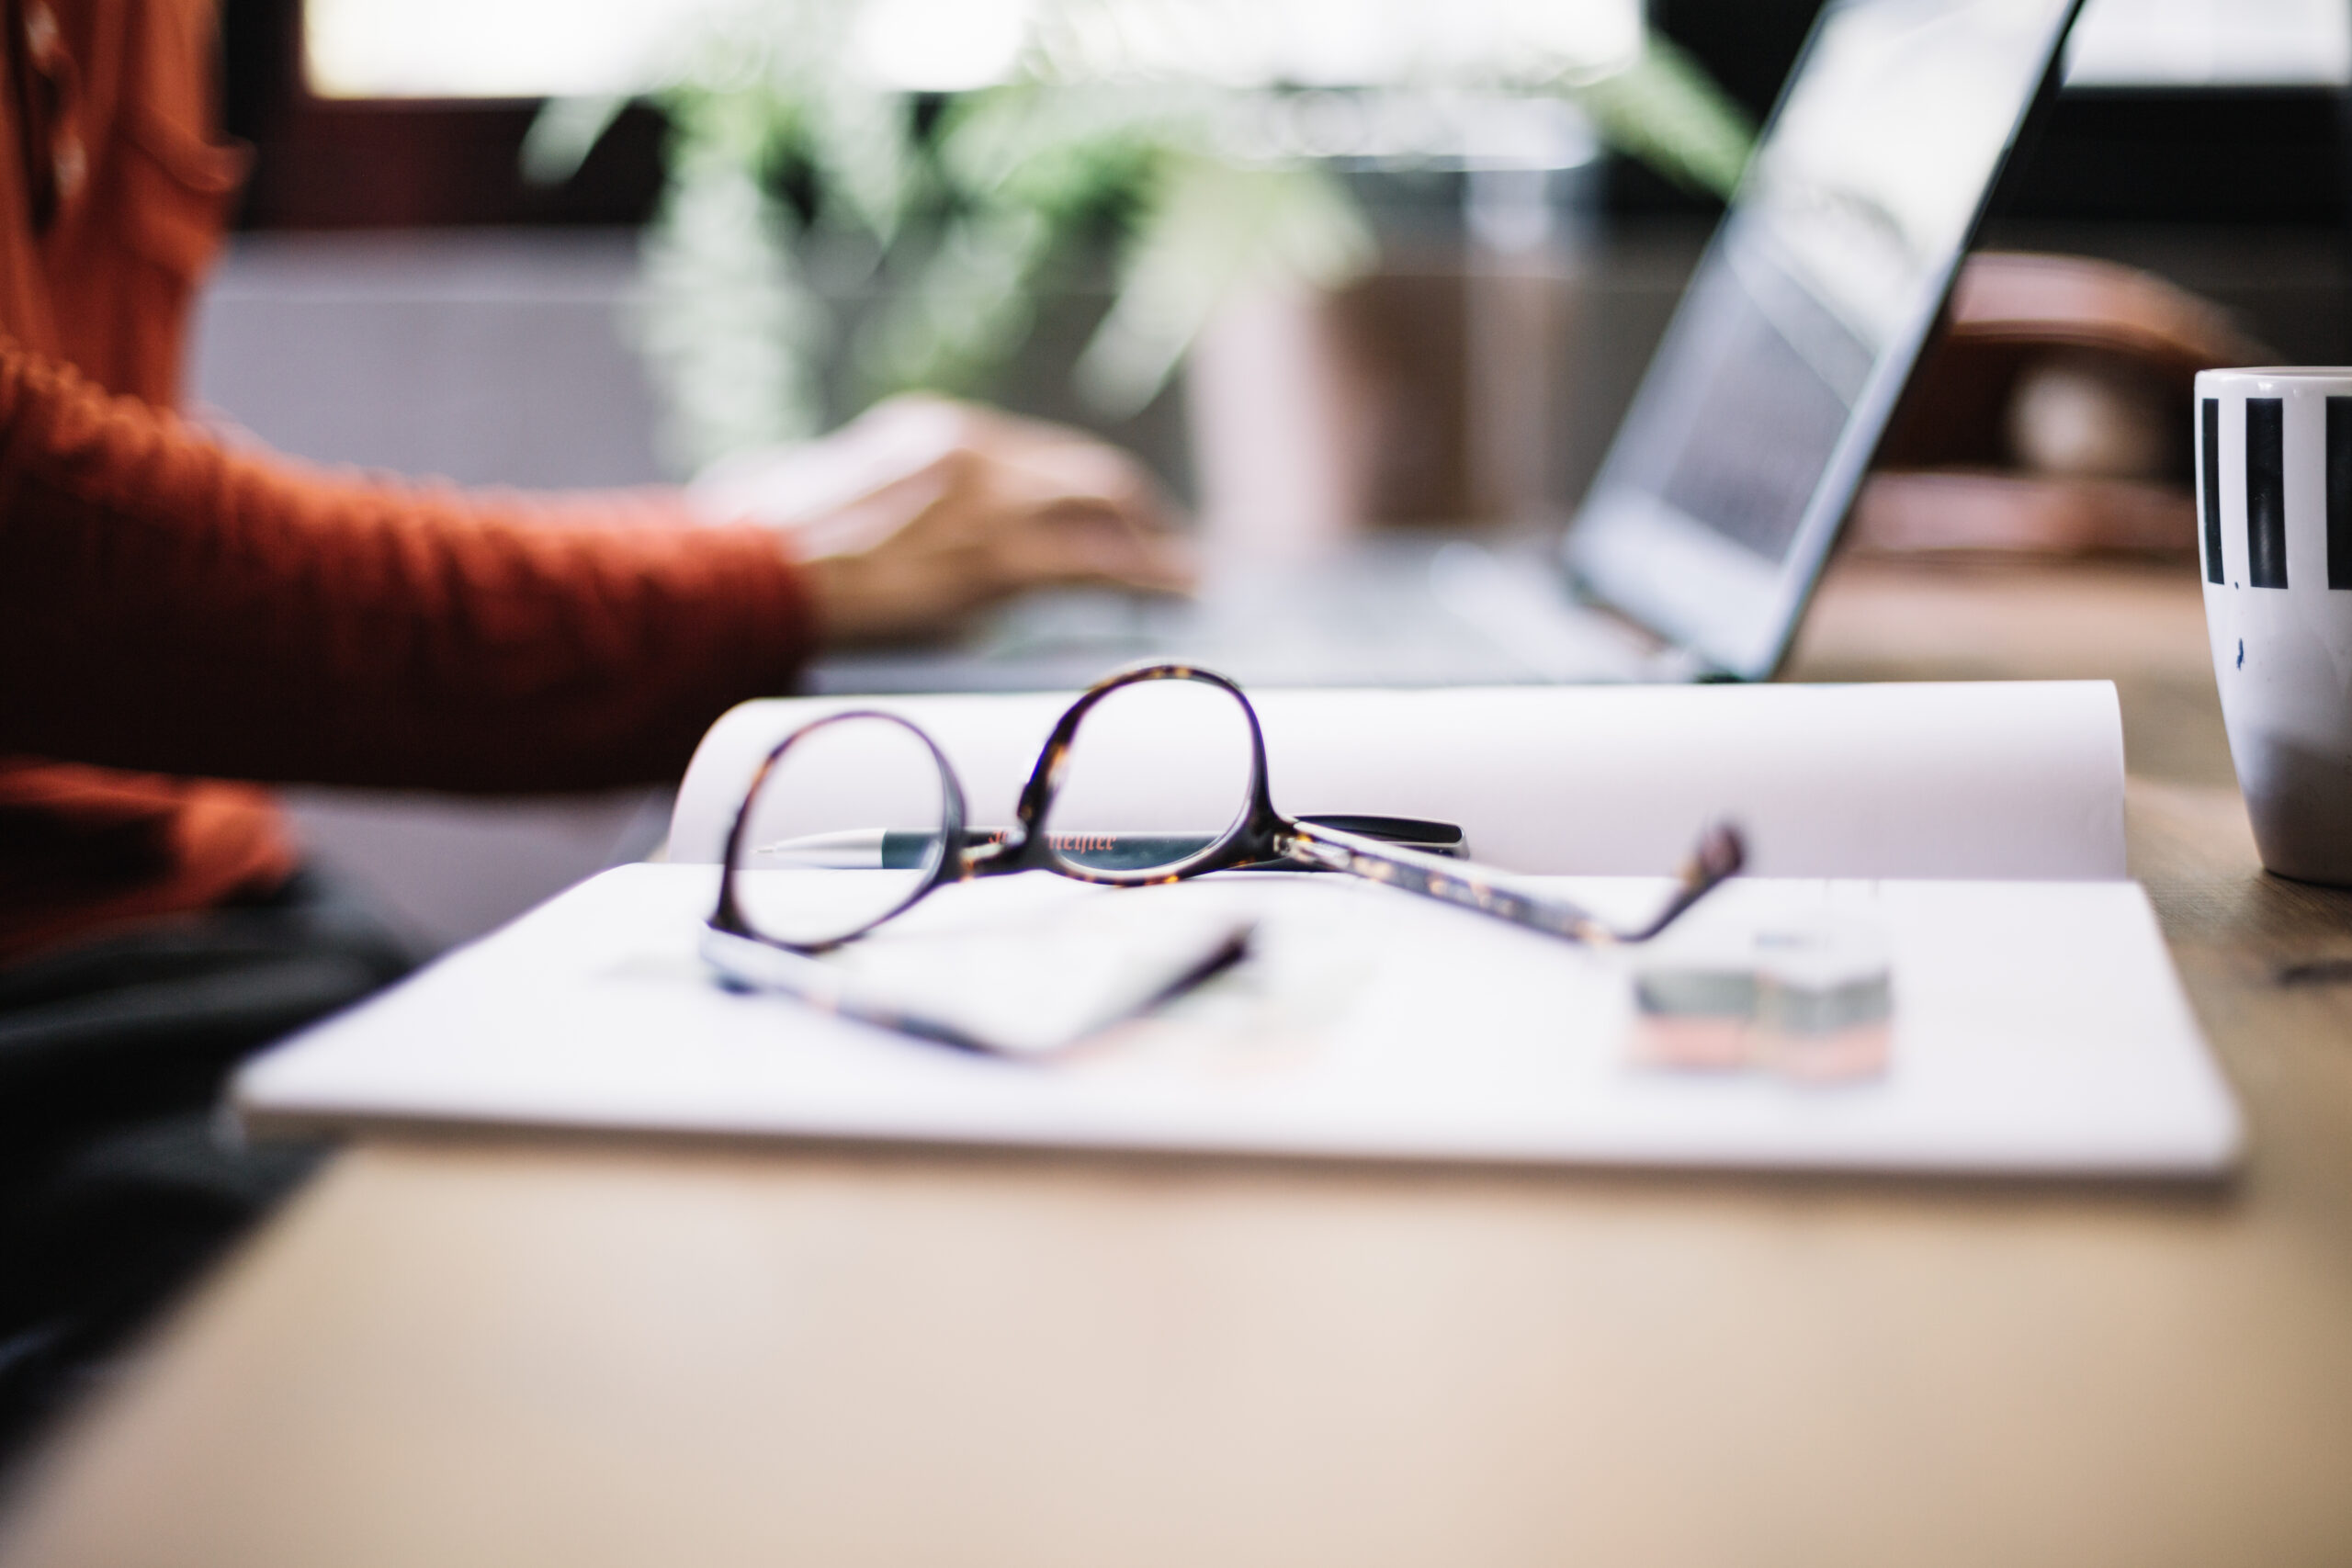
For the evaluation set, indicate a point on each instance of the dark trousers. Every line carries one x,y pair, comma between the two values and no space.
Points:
116,1183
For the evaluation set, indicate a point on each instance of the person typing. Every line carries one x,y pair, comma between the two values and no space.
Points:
183,624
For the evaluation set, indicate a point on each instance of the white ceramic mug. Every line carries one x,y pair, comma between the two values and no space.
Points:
2274,511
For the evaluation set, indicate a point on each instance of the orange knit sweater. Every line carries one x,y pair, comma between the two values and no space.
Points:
175,608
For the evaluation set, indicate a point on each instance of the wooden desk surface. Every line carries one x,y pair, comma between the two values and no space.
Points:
458,1353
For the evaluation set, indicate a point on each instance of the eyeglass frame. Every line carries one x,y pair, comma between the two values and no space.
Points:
1258,834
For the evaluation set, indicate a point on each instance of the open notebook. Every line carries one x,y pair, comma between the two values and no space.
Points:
2036,1026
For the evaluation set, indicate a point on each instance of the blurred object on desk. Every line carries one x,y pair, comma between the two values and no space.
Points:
2052,416
1909,513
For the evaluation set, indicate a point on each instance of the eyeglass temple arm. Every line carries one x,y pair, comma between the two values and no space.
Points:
748,963
1718,854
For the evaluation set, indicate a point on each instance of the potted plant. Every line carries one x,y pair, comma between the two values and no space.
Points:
858,205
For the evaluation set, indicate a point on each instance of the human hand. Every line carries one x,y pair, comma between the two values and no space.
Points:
922,511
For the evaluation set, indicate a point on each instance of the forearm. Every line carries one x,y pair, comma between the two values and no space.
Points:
165,604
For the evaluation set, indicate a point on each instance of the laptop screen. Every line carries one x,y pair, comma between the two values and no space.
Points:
1741,453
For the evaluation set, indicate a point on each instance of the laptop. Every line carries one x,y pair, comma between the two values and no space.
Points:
1707,526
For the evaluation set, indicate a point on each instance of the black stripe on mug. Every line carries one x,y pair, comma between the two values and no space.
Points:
2211,471
2339,492
2265,493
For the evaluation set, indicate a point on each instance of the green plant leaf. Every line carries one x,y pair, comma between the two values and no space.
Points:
1210,229
967,311
858,140
728,328
1665,111
564,132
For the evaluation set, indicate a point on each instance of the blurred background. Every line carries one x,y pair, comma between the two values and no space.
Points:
1328,264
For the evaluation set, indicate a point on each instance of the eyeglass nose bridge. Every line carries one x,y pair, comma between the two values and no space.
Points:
1256,826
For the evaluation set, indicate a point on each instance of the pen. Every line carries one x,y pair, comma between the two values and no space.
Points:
896,849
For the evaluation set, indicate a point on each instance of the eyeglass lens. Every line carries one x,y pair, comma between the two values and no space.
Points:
844,829
1158,773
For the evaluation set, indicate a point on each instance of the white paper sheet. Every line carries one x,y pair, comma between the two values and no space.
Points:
2037,1026
1015,966
2019,779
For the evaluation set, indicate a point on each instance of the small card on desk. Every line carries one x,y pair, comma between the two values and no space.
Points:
2034,1027
1025,966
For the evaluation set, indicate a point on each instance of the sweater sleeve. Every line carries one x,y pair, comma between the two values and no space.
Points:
168,604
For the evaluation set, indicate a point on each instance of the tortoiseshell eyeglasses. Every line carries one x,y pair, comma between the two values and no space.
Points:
1156,773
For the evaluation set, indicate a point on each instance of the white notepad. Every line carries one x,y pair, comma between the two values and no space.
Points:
2003,780
2038,1026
